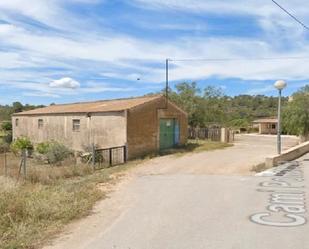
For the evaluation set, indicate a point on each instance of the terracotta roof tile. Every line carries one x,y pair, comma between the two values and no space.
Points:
92,107
266,120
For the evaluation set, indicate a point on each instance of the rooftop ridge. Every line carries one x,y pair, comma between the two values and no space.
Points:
106,100
93,106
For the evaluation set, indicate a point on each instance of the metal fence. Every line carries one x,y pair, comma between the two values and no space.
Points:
18,165
213,134
110,156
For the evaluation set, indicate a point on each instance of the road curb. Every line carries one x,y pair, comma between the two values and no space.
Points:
288,155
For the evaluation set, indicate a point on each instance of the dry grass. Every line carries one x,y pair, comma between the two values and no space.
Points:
48,175
12,164
34,209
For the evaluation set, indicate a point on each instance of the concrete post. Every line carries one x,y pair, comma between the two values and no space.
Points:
223,135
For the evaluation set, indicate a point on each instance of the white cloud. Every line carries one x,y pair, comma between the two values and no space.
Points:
65,82
40,94
247,7
261,90
39,10
125,53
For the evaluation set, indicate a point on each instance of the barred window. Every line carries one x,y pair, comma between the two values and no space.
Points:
76,124
16,122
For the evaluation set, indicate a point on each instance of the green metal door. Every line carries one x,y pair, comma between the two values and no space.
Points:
167,133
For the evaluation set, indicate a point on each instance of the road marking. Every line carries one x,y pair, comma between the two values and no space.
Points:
287,206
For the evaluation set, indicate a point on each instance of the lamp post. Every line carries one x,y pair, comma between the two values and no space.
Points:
280,85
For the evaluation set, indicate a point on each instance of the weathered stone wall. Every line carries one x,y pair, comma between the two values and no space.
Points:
104,129
143,130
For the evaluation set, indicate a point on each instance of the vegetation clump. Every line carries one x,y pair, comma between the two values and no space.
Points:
6,126
54,152
211,106
296,114
4,147
20,144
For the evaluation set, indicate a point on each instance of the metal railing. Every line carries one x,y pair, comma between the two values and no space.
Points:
110,156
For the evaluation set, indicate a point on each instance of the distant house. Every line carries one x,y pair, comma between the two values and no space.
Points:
142,124
266,125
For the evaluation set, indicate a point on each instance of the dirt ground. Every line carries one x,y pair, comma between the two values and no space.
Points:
248,151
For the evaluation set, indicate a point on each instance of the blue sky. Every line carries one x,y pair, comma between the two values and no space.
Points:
79,50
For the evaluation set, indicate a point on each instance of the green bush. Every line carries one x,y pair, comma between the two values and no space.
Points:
42,148
20,144
54,152
7,126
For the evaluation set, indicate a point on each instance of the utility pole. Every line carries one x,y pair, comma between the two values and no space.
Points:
166,82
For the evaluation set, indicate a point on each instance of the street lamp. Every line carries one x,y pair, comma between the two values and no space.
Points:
280,85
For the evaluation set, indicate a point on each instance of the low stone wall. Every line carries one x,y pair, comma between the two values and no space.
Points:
288,155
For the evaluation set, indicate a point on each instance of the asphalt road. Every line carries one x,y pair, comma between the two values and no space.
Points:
200,211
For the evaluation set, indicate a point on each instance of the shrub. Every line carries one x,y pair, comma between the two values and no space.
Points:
42,148
4,147
20,144
7,126
8,137
57,152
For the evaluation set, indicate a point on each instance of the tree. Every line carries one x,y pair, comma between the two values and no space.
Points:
7,126
17,107
210,106
215,103
187,97
20,144
296,114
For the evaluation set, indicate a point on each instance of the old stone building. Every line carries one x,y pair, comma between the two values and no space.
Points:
143,124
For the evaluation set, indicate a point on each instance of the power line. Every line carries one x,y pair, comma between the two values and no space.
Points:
238,59
291,15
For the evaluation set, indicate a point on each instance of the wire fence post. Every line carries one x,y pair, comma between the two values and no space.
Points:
93,155
24,162
5,165
110,157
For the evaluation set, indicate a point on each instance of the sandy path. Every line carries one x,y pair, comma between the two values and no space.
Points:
248,150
